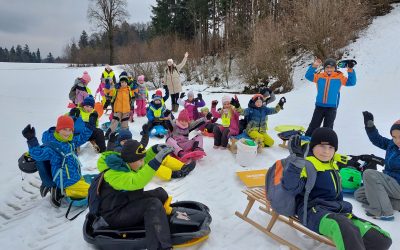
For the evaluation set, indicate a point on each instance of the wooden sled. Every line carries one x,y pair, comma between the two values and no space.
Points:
258,194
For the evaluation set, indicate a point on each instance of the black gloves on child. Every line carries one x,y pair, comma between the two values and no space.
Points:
74,113
214,103
368,119
282,101
29,132
182,95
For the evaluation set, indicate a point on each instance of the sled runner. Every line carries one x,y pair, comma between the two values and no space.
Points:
189,225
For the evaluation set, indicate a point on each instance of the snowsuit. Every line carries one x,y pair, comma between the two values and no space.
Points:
108,86
192,107
230,125
178,137
141,100
135,90
327,213
172,80
328,95
97,135
380,194
125,203
67,177
256,123
121,100
81,91
155,115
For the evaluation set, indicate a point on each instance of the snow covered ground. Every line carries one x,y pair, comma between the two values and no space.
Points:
37,94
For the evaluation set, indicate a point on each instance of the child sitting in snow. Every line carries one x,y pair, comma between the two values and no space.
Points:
65,170
178,137
81,116
327,213
191,104
208,126
256,115
124,203
230,121
80,89
380,194
157,113
141,97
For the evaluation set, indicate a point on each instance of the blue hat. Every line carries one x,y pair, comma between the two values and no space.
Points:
124,134
123,76
88,101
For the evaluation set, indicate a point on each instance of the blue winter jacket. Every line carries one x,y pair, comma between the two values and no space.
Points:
392,157
328,86
257,118
326,196
71,172
151,116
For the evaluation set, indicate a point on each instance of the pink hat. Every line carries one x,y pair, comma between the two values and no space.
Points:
183,116
158,92
86,77
140,78
226,99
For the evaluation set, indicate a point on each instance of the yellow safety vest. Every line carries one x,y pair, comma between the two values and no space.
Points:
157,112
226,119
108,75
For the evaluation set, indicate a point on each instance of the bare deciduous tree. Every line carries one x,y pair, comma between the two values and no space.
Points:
106,14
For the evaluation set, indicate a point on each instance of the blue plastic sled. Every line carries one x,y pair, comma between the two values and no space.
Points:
158,130
106,125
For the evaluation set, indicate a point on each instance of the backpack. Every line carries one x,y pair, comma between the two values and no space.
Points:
72,93
281,200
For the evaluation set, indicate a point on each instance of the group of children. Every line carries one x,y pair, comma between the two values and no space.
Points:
125,165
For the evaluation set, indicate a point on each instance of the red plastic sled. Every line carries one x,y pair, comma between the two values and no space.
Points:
195,155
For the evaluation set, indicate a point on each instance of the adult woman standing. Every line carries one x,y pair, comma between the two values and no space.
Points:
171,79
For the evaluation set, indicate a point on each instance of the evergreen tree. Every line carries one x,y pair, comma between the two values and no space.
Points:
26,54
13,56
49,58
38,57
83,40
18,53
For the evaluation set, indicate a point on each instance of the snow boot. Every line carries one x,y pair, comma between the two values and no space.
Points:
260,143
44,190
56,197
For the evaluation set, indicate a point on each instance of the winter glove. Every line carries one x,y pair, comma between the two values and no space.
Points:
74,113
160,147
282,101
368,119
91,124
350,64
199,96
160,156
297,153
145,129
235,102
113,137
209,116
165,87
182,95
29,132
214,103
167,112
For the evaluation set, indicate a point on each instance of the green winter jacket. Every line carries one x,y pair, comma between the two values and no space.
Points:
120,176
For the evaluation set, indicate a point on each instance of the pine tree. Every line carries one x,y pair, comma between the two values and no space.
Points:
49,58
38,57
83,40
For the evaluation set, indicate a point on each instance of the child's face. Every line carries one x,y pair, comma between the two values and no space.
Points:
324,152
65,133
204,112
124,84
157,101
329,69
190,98
259,103
136,165
87,108
226,105
141,81
396,137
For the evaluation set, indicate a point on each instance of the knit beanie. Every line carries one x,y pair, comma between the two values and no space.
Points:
190,93
183,116
226,99
158,92
132,151
395,126
170,61
123,76
140,78
330,62
257,97
204,109
124,134
88,101
324,136
86,77
63,122
108,67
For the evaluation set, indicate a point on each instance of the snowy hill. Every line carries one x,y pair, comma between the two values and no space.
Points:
37,94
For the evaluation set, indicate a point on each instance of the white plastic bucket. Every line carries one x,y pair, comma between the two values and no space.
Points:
245,154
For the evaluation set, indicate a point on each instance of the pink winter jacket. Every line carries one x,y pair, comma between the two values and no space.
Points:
100,89
234,125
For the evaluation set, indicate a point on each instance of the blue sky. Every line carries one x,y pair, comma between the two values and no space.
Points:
50,24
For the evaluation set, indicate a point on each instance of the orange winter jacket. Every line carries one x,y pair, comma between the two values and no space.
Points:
122,100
